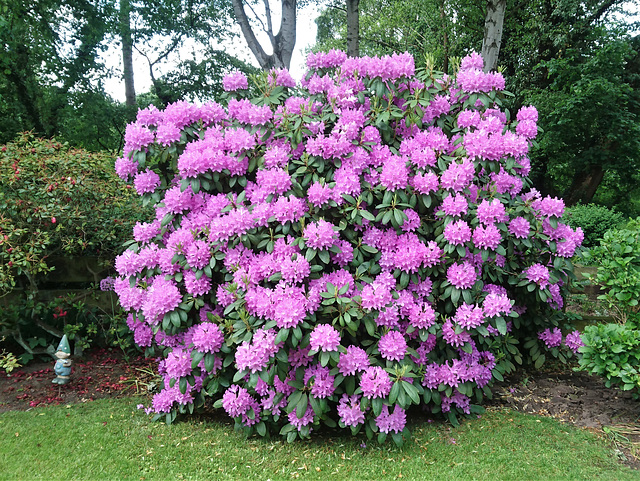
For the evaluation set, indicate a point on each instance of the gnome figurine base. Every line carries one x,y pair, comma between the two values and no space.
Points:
62,367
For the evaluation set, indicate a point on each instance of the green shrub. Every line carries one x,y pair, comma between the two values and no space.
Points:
594,220
613,352
314,264
55,201
618,261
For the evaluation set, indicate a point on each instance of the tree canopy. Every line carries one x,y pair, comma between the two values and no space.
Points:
577,61
52,75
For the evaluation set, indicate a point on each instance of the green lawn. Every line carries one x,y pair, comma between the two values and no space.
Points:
110,439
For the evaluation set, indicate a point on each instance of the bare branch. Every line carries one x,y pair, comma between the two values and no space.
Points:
267,9
266,30
247,32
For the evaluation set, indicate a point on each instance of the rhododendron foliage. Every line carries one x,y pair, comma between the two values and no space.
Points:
334,252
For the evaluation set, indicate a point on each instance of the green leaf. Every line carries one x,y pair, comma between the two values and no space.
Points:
209,362
393,395
301,406
411,391
324,256
399,216
376,405
455,295
196,357
282,336
501,325
367,215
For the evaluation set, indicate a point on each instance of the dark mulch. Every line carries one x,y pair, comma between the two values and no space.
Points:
101,374
580,399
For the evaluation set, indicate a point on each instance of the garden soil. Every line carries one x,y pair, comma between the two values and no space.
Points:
576,398
571,397
100,374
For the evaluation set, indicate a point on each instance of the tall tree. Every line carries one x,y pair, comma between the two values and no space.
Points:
124,17
48,50
591,116
281,43
553,53
442,28
353,28
178,36
492,38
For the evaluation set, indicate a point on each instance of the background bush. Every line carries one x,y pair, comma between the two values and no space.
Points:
618,260
594,220
613,350
55,201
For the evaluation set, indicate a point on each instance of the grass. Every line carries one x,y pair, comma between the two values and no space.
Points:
110,439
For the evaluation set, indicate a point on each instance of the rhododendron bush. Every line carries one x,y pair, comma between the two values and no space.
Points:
335,252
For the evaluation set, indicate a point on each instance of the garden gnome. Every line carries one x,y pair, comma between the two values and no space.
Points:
63,363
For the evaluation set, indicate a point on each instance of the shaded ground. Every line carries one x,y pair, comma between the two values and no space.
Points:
572,397
580,399
102,374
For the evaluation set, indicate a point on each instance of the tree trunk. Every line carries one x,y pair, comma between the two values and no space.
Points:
584,185
493,33
353,28
445,39
27,87
282,44
127,52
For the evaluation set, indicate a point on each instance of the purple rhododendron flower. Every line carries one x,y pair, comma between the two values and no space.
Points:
457,233
126,168
422,316
573,341
322,382
496,304
349,410
236,401
235,81
324,337
305,420
551,337
455,205
462,276
162,297
255,355
352,361
538,274
207,337
487,237
469,316
375,382
319,235
519,227
393,346
391,422
178,363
